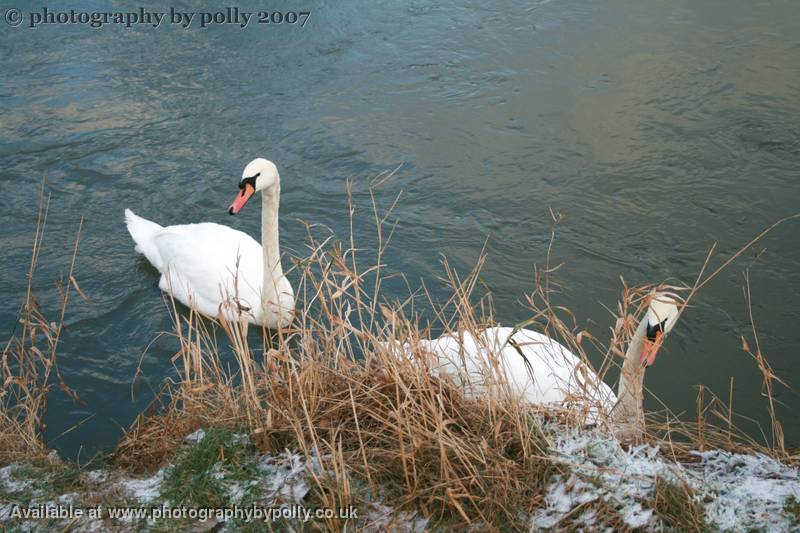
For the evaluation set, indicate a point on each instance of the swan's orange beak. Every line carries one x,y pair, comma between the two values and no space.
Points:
648,355
244,194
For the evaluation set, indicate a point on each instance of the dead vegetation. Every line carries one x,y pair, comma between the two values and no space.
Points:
28,368
677,506
331,388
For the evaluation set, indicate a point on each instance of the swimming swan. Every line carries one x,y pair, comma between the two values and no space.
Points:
542,371
216,269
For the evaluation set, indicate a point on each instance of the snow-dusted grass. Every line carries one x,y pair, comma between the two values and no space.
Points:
734,491
367,427
141,490
603,486
282,479
747,491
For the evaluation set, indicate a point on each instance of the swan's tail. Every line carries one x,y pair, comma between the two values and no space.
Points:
143,232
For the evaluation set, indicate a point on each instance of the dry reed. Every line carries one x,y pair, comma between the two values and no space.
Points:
333,387
28,366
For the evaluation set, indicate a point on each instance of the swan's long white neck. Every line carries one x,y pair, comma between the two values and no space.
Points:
627,416
273,271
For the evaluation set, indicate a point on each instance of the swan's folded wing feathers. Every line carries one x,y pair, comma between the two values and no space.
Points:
215,261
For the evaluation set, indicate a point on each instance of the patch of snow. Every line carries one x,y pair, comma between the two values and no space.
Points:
739,492
637,517
197,436
67,499
241,438
13,485
96,476
5,511
749,491
380,517
218,472
588,518
236,492
29,527
601,469
6,471
285,477
144,490
564,497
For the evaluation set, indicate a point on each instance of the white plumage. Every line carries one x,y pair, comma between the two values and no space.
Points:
541,371
198,265
216,269
536,368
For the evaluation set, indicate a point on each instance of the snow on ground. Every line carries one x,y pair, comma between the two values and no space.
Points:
9,483
750,490
197,436
601,468
739,492
284,477
380,517
144,490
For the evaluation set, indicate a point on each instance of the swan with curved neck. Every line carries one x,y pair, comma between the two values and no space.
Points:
627,413
218,270
542,371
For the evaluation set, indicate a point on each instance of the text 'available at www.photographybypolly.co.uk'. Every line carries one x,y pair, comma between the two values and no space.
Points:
228,16
252,513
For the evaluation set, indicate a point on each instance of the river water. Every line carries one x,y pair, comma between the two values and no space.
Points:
656,128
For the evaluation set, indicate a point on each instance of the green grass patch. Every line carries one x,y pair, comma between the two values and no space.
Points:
791,509
203,474
41,482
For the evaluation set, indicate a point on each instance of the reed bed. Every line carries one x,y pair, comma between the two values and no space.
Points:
28,368
346,386
334,387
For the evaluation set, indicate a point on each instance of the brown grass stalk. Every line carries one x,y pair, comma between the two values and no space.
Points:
29,360
333,388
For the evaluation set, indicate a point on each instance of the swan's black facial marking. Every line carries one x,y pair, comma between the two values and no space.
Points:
654,330
251,180
247,187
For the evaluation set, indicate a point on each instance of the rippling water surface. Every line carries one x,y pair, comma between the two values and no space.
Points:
656,128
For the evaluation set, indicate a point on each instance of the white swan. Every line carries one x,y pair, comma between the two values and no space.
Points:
216,269
542,371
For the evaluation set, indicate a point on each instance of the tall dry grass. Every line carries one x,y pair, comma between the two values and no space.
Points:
334,387
28,368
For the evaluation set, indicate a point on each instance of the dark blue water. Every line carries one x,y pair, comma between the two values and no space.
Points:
656,128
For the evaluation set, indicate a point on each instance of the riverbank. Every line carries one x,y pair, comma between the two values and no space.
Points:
219,481
326,415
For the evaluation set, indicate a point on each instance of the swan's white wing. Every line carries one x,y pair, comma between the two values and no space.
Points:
537,368
550,372
206,265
